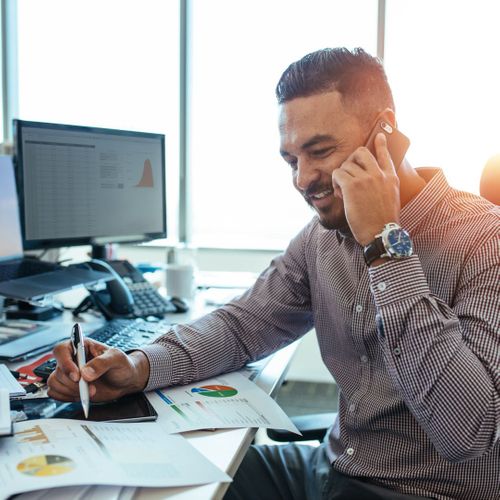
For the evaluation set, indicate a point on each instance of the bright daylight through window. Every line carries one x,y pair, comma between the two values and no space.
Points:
116,64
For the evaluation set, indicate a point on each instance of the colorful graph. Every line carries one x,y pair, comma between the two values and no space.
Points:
171,404
34,435
215,391
46,465
147,175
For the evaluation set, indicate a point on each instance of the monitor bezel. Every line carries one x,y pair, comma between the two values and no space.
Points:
41,244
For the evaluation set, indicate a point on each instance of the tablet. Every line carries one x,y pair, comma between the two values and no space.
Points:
131,408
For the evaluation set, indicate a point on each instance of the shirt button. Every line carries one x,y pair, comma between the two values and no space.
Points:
397,351
364,359
352,408
359,308
350,451
381,286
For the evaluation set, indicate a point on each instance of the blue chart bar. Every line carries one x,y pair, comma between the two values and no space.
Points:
165,398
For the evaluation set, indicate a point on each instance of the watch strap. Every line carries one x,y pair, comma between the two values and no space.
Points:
374,250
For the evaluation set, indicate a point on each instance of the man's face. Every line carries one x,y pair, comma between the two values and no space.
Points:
317,134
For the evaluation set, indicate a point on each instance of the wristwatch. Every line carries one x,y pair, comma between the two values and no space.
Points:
393,242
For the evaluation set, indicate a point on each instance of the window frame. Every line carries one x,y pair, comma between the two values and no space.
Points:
10,99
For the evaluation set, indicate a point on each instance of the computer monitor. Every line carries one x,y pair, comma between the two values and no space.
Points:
83,185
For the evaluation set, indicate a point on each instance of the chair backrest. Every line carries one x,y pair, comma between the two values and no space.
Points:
489,186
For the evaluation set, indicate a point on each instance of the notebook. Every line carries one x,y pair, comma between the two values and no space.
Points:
26,278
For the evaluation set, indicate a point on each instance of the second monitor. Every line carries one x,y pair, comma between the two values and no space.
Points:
89,186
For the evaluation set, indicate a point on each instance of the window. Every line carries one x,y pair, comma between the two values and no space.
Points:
241,190
116,64
108,64
442,62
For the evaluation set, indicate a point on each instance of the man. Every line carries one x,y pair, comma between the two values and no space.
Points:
412,339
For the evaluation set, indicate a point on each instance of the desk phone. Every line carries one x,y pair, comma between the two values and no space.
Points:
128,295
146,299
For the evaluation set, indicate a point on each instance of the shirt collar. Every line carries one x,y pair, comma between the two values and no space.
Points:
434,191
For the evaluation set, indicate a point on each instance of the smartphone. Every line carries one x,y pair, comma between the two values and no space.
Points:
397,142
131,408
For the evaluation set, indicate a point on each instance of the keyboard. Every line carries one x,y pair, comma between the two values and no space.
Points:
124,334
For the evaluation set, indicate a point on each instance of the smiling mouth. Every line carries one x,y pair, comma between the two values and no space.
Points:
320,196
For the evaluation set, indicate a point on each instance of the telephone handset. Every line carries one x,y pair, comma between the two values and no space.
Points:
128,295
116,299
397,142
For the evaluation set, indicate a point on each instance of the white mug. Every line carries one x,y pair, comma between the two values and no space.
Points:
180,280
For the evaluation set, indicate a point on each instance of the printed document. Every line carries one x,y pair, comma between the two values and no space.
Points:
58,452
226,401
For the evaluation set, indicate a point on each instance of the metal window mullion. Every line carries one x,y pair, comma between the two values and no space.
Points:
184,210
381,30
10,83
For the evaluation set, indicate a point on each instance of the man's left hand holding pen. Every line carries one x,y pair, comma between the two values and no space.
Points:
109,372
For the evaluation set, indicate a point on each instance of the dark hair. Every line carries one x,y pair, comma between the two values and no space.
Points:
359,78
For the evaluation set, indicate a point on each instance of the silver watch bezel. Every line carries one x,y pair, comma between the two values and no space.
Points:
389,250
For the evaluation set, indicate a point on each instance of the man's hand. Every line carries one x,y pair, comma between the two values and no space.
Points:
110,372
369,187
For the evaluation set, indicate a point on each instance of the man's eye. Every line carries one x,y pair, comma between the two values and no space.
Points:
320,153
292,163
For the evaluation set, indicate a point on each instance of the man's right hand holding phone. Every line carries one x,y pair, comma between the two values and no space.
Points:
109,372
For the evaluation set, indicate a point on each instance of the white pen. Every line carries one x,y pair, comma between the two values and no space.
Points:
79,353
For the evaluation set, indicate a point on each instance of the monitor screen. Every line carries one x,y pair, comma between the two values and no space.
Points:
88,186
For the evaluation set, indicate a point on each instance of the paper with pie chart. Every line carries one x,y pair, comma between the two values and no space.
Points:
57,452
226,401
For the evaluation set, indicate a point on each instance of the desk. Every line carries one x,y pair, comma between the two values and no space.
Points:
225,448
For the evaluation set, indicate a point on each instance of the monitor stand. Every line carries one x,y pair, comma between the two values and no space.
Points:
104,252
99,252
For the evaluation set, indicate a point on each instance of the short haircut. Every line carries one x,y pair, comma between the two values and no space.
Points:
359,78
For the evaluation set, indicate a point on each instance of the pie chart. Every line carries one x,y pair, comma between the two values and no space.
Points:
46,465
215,391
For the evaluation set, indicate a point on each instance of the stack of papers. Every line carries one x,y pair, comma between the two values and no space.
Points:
5,421
222,402
56,452
8,381
48,453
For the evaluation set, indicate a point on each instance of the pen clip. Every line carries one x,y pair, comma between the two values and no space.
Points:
76,337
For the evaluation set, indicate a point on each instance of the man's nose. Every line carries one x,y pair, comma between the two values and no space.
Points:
306,175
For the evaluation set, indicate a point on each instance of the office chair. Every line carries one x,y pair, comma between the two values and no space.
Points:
489,186
315,426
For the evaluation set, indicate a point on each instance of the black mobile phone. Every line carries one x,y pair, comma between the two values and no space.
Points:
397,142
131,408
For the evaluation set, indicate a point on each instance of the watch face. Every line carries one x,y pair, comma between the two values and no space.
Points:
399,243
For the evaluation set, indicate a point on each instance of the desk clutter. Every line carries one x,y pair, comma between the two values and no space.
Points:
54,452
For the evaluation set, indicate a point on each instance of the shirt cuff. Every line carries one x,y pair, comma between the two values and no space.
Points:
160,366
397,280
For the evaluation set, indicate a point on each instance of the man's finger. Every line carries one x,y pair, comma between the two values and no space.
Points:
383,156
95,348
354,168
64,355
100,365
57,389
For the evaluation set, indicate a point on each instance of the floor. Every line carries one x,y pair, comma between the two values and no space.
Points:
302,398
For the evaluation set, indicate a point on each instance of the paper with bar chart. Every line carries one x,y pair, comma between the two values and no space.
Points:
227,401
56,452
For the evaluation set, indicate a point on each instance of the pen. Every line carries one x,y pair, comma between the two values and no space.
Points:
79,353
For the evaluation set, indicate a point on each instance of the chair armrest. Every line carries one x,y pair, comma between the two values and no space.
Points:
312,427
